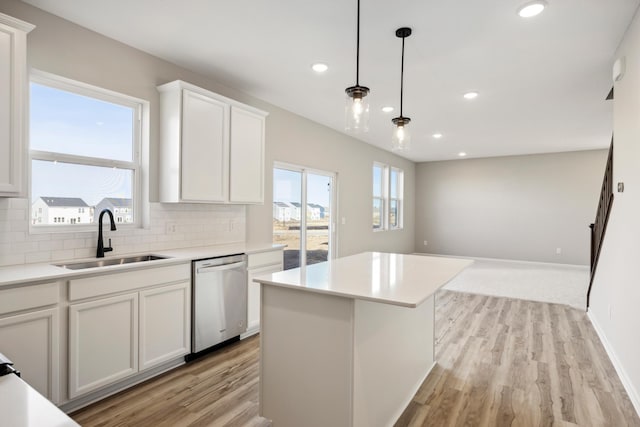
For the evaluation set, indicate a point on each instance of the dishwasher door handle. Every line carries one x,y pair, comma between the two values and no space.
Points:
214,268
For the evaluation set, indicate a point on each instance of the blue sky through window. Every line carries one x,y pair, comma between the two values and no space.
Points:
90,183
287,187
69,123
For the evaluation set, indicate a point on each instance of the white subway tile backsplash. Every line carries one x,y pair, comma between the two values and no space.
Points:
18,225
16,214
195,225
19,204
74,243
42,256
25,247
62,255
12,236
51,245
84,253
11,258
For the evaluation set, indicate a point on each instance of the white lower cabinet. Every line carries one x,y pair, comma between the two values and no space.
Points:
124,323
164,324
253,307
103,342
31,341
259,264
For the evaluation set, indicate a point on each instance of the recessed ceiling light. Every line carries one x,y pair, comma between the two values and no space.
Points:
437,135
471,95
387,109
531,9
319,67
462,154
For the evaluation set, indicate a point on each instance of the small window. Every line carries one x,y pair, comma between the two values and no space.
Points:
396,178
378,196
84,148
388,192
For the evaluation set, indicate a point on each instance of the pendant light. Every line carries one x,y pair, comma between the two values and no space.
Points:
357,105
401,137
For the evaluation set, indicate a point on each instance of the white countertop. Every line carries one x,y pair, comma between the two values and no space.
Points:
24,273
404,280
22,406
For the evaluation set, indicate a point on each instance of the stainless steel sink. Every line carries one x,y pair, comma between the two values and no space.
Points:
110,261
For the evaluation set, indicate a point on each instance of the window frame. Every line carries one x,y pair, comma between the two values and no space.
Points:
382,198
399,198
140,108
386,199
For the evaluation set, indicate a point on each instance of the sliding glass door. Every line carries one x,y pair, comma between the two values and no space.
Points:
303,214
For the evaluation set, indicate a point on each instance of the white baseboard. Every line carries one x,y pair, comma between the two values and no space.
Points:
250,332
624,378
576,266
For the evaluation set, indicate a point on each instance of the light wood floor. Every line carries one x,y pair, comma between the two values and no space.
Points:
506,362
220,389
501,362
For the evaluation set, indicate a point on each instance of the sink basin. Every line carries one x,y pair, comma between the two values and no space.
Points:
110,261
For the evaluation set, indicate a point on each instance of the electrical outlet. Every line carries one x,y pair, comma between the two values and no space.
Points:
170,227
558,251
232,225
610,311
344,220
426,243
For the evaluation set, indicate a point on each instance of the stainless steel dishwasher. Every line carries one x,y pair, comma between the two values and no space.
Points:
219,306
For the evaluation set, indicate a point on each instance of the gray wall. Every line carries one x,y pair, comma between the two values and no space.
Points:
61,47
517,207
616,292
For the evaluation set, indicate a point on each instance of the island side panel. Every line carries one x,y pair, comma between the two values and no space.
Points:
393,354
306,358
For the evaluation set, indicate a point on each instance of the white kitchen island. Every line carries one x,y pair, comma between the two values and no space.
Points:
348,342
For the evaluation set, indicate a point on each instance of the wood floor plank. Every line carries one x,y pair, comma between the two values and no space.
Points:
500,362
548,368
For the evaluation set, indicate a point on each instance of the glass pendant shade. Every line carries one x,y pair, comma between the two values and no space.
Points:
401,140
357,111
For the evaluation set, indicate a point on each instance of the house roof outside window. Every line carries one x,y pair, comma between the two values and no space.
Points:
74,202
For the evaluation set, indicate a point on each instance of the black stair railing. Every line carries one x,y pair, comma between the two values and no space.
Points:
599,227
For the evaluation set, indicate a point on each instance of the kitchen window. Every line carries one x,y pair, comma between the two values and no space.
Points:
84,152
388,194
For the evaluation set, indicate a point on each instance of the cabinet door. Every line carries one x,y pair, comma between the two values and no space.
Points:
31,341
247,157
165,317
13,117
253,302
205,149
103,342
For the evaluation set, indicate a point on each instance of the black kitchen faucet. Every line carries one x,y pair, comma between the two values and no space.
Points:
101,249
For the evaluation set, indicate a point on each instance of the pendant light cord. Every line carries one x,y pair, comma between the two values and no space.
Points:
402,76
358,48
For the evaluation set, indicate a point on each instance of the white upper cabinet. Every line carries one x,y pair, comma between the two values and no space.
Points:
13,105
212,147
205,149
247,156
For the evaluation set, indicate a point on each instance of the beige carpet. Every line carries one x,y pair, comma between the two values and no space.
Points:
560,284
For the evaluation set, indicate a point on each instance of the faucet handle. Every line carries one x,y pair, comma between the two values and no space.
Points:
108,248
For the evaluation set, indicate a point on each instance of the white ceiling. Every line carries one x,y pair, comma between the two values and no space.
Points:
542,81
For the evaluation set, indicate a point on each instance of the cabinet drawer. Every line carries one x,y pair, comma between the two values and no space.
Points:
127,281
27,297
264,258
